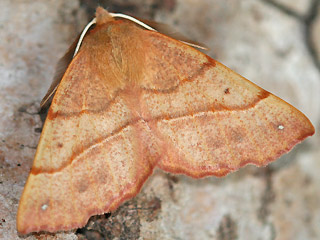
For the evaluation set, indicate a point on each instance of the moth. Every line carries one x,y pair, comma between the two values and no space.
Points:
132,100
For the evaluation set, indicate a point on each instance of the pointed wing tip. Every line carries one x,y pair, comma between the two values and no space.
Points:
311,130
307,133
224,170
25,225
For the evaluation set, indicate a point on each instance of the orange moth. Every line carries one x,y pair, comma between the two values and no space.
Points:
132,99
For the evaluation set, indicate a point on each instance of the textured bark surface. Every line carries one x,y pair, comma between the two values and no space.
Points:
268,42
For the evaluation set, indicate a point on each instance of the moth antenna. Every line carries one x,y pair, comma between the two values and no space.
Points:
194,45
146,26
85,30
120,15
64,63
61,67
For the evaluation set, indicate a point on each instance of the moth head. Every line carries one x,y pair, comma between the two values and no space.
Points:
104,17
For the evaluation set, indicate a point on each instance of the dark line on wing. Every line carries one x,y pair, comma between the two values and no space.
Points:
263,95
216,108
210,63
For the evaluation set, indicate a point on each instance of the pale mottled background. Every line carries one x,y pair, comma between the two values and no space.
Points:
275,44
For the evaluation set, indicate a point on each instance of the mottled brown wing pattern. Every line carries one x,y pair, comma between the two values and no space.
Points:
133,99
94,152
213,121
